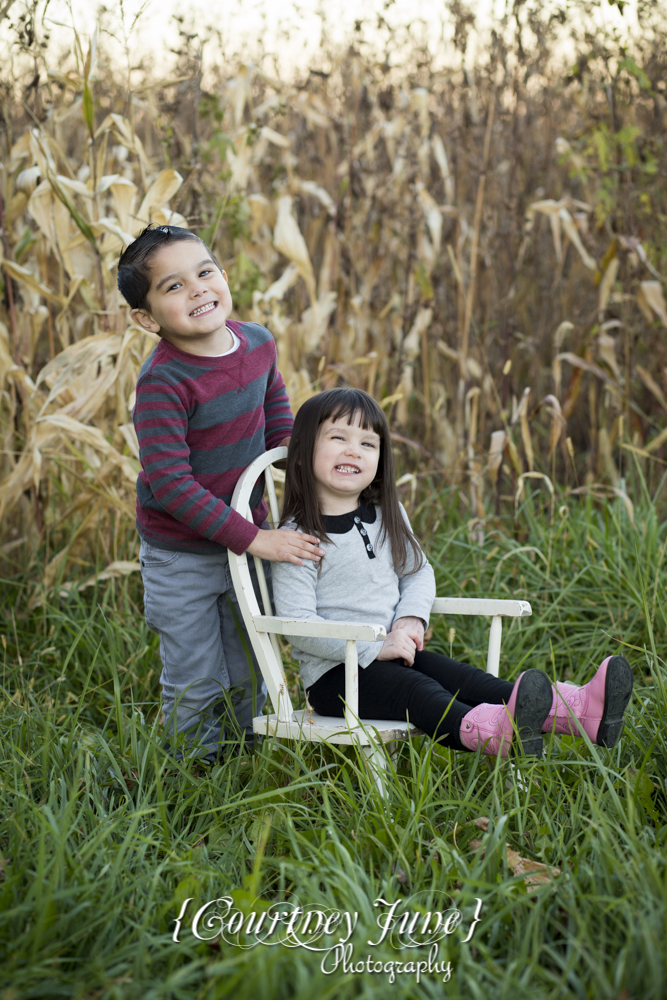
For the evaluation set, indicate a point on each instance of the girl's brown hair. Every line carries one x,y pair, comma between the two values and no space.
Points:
301,503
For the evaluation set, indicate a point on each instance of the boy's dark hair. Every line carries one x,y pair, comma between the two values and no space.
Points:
134,265
301,503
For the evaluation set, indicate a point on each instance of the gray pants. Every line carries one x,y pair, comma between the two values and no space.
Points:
207,659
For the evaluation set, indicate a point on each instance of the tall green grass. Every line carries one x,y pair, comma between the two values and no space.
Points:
103,836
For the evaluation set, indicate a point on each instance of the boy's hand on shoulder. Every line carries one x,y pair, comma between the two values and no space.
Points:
284,545
398,646
414,628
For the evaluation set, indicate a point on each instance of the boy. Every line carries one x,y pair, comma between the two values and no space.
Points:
210,399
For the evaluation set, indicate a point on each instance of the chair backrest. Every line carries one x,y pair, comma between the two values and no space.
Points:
265,646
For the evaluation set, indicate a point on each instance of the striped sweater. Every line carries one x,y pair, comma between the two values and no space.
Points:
200,421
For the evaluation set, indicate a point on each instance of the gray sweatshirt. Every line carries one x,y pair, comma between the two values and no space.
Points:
356,583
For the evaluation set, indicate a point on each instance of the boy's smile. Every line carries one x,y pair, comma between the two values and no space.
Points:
345,462
189,300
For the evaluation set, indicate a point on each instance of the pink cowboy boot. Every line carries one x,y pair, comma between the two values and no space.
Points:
492,726
596,708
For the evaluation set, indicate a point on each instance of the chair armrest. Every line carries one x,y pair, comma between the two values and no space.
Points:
319,630
480,606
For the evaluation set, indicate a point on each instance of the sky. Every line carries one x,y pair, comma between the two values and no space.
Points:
291,29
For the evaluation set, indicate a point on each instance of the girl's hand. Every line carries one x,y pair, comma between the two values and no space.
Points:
285,546
398,646
414,627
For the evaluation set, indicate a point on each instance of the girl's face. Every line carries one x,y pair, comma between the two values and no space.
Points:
345,462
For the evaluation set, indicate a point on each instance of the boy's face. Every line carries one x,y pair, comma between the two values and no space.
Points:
189,299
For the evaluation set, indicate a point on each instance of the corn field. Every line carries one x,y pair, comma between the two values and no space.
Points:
482,249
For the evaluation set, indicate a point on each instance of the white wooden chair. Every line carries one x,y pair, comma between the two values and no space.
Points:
264,628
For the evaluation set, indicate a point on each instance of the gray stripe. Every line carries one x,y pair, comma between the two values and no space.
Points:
154,414
206,512
228,456
164,463
230,405
144,432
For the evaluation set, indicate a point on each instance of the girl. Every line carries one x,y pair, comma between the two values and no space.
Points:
340,487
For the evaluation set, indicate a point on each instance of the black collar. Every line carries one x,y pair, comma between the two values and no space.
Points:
339,524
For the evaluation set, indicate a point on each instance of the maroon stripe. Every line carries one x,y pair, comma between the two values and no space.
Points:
221,484
251,366
229,433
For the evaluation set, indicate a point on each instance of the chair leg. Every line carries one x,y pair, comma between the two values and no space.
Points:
377,764
495,637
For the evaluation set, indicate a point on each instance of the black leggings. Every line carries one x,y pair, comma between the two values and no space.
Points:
421,693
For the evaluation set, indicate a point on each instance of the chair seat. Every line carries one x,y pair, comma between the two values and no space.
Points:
308,725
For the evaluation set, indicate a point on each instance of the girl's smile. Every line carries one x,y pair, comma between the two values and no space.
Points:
345,462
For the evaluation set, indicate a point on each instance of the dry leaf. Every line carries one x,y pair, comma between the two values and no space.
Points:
71,362
315,320
657,441
559,336
279,288
604,449
578,362
28,179
92,436
607,284
275,137
241,88
7,363
389,400
400,875
239,161
496,449
261,211
551,208
78,187
19,151
440,155
433,216
130,435
163,188
570,228
111,226
559,216
652,385
412,343
113,571
313,110
28,279
607,352
651,300
165,217
288,240
124,194
310,187
531,475
536,873
124,133
558,423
